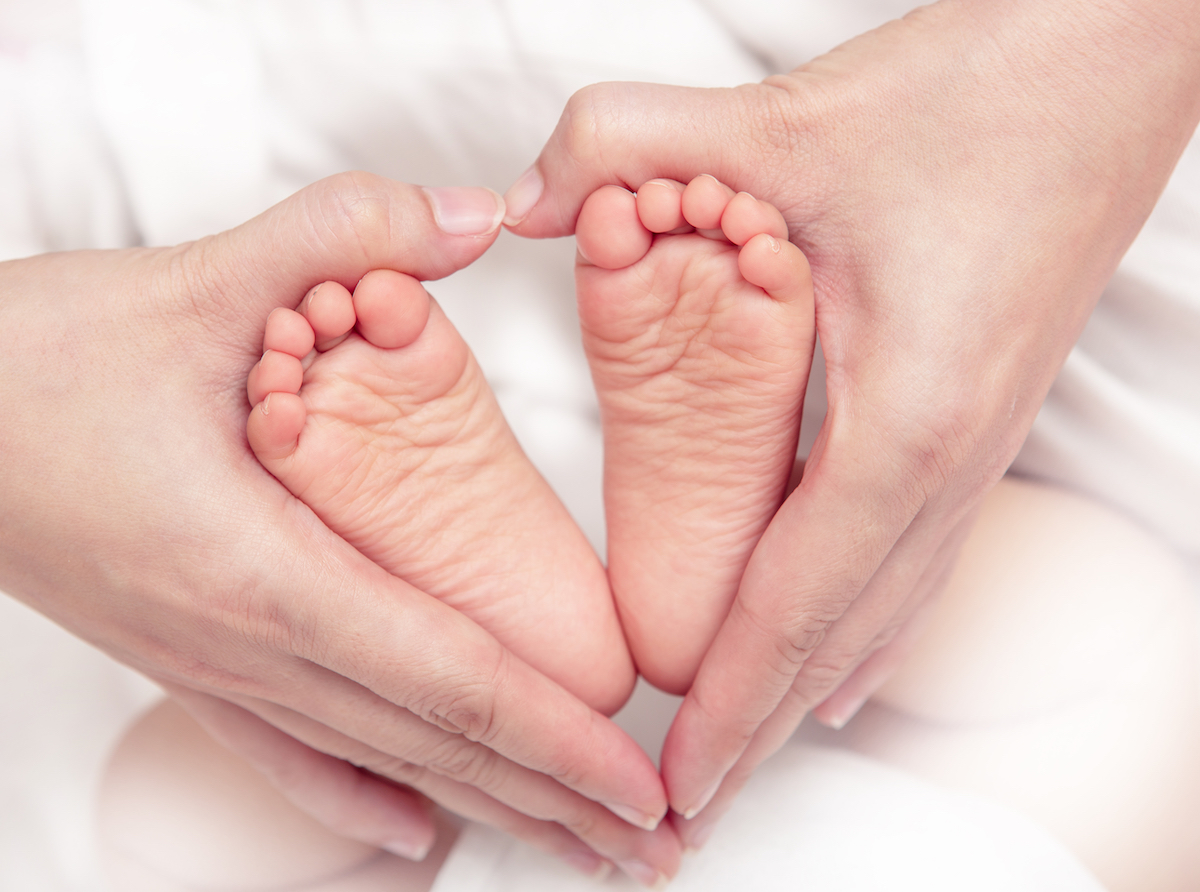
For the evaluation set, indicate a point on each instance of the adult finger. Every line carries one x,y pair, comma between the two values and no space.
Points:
462,712
352,803
338,229
414,652
891,647
807,615
478,784
626,134
845,639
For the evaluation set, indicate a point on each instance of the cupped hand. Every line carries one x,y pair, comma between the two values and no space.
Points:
133,513
963,182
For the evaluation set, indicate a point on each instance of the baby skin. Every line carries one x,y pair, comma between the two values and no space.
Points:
697,317
370,408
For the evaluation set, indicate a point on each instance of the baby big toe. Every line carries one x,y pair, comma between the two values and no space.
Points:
392,308
609,232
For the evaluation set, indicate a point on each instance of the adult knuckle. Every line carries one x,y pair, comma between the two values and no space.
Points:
584,823
466,762
568,773
821,673
583,124
465,705
791,638
737,728
353,211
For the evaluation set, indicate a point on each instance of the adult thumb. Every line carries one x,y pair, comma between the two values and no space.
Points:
627,133
339,229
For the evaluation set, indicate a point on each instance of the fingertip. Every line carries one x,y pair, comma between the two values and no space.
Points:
466,210
521,197
690,768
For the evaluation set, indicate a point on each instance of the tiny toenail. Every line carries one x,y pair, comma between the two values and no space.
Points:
266,404
774,244
465,210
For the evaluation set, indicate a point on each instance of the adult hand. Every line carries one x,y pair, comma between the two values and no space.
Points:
133,513
963,181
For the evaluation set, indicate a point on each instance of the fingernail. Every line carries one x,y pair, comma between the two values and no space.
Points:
465,210
774,244
522,196
648,876
266,404
705,798
698,838
634,816
839,718
589,863
406,849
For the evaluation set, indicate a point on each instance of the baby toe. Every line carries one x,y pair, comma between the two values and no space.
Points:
609,233
329,309
704,201
746,216
276,372
273,428
392,308
778,267
288,332
660,205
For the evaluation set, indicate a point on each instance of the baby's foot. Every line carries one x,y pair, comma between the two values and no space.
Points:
389,432
700,344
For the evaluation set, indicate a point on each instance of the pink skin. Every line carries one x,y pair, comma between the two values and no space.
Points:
370,409
700,341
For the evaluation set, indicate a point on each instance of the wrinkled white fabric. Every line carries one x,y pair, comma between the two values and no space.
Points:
155,121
